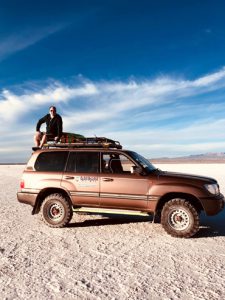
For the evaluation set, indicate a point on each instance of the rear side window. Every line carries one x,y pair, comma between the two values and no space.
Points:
51,161
83,162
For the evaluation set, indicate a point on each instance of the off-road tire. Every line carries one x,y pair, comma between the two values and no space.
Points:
56,211
180,218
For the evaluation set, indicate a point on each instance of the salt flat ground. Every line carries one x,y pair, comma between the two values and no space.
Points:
98,257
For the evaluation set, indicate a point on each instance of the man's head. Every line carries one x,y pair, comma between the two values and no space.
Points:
52,111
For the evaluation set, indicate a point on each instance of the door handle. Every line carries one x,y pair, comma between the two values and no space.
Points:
69,177
107,179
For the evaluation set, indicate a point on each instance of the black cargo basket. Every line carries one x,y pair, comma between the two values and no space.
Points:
88,142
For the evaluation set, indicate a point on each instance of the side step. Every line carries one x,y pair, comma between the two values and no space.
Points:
95,210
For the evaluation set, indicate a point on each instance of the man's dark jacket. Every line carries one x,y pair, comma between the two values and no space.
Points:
53,126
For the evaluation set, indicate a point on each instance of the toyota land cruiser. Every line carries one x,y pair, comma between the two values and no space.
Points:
60,180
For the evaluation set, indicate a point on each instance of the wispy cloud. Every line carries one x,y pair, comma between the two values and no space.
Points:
13,107
152,116
25,38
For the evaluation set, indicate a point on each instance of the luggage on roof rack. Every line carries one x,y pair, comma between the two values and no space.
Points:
88,142
70,137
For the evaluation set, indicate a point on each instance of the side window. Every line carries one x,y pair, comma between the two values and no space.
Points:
116,163
51,161
83,162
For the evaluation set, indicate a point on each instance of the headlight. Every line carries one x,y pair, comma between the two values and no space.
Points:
213,188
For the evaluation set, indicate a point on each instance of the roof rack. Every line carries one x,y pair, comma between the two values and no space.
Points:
88,142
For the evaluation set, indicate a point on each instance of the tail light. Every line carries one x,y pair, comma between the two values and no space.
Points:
22,184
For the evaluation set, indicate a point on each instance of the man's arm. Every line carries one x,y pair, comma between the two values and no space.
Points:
40,122
59,127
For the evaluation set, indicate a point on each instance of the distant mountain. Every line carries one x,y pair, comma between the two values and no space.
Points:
211,157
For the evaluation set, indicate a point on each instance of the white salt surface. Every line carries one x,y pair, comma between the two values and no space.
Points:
107,258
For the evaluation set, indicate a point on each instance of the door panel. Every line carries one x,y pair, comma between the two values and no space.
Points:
119,187
84,188
81,178
124,191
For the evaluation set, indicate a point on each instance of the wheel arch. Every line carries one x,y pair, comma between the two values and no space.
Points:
169,196
46,192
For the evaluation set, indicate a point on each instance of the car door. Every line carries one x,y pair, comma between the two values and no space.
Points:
81,178
119,187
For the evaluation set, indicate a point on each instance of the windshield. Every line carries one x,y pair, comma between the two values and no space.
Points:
146,165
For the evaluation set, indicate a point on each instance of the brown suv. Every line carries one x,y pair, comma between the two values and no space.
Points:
60,181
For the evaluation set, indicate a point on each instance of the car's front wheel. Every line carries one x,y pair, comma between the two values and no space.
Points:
180,218
56,211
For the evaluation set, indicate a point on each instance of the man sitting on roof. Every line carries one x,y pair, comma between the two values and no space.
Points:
53,128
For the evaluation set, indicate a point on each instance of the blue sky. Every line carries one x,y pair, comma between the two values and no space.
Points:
150,74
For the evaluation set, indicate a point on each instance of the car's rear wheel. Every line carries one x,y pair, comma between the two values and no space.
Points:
56,211
180,218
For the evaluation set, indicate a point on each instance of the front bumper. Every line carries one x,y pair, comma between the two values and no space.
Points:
213,205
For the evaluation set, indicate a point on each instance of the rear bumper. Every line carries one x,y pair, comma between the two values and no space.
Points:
27,198
213,205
